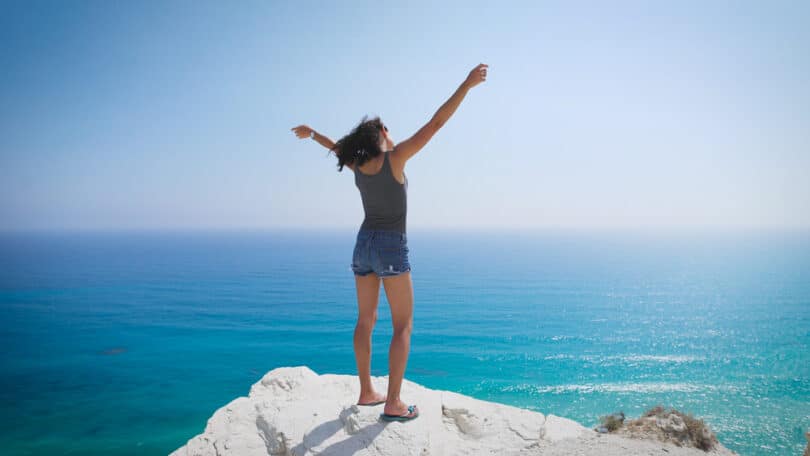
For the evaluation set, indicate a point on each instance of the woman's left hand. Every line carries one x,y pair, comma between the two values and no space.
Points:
302,131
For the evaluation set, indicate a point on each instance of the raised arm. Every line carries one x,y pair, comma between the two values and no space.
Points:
408,148
304,131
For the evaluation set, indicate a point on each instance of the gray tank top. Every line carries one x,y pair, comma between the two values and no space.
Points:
385,201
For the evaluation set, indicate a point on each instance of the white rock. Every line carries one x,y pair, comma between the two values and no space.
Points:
671,423
557,428
294,411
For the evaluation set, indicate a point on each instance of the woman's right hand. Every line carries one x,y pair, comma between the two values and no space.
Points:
302,131
477,75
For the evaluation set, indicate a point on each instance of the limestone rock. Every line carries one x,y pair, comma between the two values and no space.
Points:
293,411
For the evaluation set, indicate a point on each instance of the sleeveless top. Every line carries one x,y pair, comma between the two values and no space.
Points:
385,201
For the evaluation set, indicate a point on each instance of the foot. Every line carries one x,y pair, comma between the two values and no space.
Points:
410,413
400,408
371,398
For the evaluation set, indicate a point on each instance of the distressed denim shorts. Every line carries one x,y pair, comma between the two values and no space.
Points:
382,252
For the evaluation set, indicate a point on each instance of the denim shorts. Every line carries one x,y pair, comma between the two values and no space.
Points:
382,252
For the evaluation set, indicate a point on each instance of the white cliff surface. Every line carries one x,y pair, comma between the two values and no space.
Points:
294,411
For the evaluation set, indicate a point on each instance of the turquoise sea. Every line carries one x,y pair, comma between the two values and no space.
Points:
120,343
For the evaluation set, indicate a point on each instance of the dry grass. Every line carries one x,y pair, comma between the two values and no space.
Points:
658,410
697,432
611,422
667,425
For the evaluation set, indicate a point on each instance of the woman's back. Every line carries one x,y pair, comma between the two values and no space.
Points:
385,200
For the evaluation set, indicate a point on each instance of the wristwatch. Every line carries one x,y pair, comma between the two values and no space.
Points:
312,134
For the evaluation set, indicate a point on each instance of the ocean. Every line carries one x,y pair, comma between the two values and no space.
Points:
120,343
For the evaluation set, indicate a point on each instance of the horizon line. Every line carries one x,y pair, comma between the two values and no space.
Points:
645,229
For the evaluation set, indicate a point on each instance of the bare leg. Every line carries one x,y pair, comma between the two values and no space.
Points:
368,295
399,290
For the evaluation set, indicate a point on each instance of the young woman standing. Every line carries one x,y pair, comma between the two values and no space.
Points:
381,248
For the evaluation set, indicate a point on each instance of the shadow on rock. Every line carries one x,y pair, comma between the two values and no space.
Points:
359,438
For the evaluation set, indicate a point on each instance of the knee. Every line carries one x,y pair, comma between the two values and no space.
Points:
403,330
366,323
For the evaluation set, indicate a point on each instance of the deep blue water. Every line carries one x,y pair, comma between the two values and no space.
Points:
126,343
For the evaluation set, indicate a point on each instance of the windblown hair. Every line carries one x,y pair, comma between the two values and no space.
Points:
361,144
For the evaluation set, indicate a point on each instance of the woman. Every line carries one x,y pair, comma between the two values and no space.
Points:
381,249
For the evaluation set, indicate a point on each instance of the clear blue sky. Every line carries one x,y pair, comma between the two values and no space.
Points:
594,114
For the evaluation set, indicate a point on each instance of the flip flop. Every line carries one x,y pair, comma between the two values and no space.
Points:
375,403
405,417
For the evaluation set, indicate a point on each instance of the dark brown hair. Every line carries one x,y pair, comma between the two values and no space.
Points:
361,144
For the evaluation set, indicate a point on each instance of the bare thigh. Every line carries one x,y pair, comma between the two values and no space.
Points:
368,296
399,291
